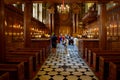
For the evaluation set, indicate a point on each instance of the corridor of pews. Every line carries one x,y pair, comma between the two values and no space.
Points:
41,64
65,65
25,47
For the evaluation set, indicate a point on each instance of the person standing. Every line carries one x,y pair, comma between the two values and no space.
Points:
65,44
54,43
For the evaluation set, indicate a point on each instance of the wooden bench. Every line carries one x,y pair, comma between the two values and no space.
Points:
89,50
104,65
28,64
89,55
96,56
87,43
86,54
114,71
26,54
4,76
44,54
16,71
41,50
48,48
97,50
29,50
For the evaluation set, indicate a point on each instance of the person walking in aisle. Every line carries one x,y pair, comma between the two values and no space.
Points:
54,43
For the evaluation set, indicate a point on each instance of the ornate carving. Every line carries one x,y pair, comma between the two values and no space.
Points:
75,8
51,10
64,17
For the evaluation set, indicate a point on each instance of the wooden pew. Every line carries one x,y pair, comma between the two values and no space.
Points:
4,76
96,50
28,64
89,55
44,54
104,65
47,50
29,50
41,50
87,43
114,71
96,56
16,70
26,54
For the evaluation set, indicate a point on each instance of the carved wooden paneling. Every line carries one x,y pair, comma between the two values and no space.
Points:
113,24
14,27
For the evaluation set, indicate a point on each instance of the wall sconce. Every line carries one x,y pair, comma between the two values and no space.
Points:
14,26
10,33
18,34
21,33
6,33
14,33
5,23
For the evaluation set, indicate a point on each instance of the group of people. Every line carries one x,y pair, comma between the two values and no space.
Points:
64,40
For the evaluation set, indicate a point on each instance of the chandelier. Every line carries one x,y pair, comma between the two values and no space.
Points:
63,8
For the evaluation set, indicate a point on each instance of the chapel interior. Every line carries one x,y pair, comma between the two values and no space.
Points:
26,28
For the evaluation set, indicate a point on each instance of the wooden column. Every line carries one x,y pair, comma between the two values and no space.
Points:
76,10
52,22
75,19
2,31
73,23
77,23
27,23
51,19
103,28
38,12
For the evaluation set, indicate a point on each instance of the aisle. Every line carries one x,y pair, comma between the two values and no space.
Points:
65,66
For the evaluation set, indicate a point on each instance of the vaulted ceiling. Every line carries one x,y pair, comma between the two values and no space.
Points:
58,1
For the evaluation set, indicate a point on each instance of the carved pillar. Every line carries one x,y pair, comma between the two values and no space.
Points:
102,27
2,31
27,23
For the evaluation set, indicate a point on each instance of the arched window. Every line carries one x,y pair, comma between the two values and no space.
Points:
35,10
40,12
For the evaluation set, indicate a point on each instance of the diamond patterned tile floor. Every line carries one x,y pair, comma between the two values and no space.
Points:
65,65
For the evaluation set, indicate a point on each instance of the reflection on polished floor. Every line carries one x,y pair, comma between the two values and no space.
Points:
65,66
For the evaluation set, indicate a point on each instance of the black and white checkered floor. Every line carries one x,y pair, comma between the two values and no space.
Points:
65,66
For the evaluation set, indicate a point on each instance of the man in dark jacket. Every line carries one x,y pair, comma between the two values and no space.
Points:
54,43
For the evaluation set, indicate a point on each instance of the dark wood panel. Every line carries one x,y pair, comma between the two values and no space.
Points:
4,76
16,70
